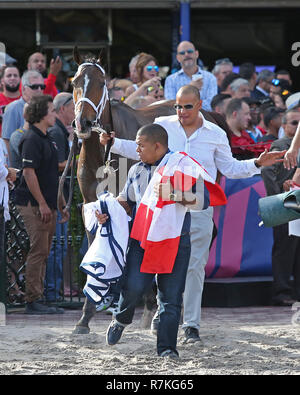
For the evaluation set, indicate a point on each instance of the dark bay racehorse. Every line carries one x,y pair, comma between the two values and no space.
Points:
94,112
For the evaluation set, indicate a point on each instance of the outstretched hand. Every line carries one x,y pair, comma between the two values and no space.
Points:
290,158
270,158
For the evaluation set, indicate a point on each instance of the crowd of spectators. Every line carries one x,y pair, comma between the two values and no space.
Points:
256,106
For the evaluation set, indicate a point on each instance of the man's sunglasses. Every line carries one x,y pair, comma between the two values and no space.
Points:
150,68
189,51
186,107
37,86
68,100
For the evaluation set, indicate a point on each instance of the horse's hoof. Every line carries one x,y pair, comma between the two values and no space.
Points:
81,330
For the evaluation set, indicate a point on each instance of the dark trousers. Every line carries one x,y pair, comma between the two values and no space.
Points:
170,290
285,263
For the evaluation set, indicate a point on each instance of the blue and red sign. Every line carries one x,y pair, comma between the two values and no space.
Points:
241,247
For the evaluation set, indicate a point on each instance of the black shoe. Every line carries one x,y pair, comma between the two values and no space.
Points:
36,308
169,354
114,333
191,335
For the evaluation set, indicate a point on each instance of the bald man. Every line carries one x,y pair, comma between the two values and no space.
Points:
37,61
191,74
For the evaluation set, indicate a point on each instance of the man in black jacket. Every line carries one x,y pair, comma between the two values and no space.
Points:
286,249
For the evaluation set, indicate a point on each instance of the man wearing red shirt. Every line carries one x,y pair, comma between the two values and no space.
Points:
242,145
37,61
10,82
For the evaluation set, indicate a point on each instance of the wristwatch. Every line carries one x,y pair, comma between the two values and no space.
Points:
173,196
257,164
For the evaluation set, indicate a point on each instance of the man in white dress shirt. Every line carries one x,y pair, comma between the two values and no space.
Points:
206,142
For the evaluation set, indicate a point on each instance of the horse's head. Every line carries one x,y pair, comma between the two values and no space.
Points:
90,94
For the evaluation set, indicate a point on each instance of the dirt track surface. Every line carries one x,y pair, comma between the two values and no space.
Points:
239,341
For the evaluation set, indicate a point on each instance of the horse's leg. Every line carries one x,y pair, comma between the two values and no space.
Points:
150,307
88,310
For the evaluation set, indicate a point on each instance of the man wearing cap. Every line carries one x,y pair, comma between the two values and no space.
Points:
64,108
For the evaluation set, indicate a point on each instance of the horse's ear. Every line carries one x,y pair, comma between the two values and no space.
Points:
76,55
99,56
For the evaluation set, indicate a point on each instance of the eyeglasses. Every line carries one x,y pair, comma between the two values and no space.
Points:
186,107
189,51
150,68
35,87
67,101
223,60
294,123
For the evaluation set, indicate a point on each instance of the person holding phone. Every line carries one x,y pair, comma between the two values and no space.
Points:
147,72
191,74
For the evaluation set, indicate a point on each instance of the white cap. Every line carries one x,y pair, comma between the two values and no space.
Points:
292,101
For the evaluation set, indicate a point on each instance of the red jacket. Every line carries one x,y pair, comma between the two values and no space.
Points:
50,85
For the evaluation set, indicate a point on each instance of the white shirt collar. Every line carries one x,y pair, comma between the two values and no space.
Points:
262,90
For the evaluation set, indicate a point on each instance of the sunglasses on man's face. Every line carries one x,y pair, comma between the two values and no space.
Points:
37,86
179,107
150,68
188,51
67,100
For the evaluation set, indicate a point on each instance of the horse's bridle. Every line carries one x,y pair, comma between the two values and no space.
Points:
98,109
96,125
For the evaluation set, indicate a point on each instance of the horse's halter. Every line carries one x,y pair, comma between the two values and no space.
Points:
104,98
96,125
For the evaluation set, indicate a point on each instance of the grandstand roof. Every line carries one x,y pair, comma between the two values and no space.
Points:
54,4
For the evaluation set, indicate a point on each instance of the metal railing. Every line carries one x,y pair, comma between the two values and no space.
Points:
64,281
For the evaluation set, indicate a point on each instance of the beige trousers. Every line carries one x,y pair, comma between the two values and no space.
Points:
40,235
201,234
